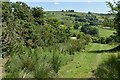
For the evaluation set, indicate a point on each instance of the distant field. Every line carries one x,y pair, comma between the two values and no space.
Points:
84,62
69,21
61,16
105,32
102,32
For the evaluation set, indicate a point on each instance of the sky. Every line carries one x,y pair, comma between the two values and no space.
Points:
62,0
96,6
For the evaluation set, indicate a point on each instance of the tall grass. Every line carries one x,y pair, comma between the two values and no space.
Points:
35,63
109,68
71,46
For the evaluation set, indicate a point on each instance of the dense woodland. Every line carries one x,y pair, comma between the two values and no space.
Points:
39,43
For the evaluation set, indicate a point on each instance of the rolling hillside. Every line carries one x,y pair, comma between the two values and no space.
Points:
84,63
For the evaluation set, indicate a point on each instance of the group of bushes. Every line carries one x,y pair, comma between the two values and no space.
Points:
104,40
91,19
87,29
29,27
34,63
42,62
71,46
37,45
109,68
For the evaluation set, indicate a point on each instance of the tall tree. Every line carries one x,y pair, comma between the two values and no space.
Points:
22,11
38,15
116,11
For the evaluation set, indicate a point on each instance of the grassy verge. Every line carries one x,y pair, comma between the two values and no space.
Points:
105,32
84,63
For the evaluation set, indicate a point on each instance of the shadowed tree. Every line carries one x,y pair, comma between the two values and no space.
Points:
116,11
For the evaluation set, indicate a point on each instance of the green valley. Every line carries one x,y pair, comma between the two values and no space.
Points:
43,44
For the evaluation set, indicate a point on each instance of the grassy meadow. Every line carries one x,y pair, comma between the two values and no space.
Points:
85,62
57,44
106,32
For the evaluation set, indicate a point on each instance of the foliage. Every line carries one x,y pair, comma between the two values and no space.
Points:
111,39
69,10
90,18
72,15
76,26
75,45
109,69
23,25
6,10
37,63
117,20
108,22
62,10
38,15
102,40
37,45
116,11
89,12
56,62
89,30
80,19
95,39
21,11
79,35
87,39
72,46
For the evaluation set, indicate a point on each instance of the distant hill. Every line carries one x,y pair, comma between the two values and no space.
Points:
69,18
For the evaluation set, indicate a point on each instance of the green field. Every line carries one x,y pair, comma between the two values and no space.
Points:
84,62
88,60
69,21
40,43
61,16
105,32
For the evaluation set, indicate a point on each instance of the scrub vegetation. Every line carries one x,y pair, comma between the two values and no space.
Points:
59,44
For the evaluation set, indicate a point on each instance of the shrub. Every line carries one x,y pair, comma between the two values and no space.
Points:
87,29
27,60
76,25
71,46
109,68
102,40
95,39
35,63
110,39
56,61
87,39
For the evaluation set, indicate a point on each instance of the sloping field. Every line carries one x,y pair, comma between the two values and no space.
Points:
84,63
105,32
